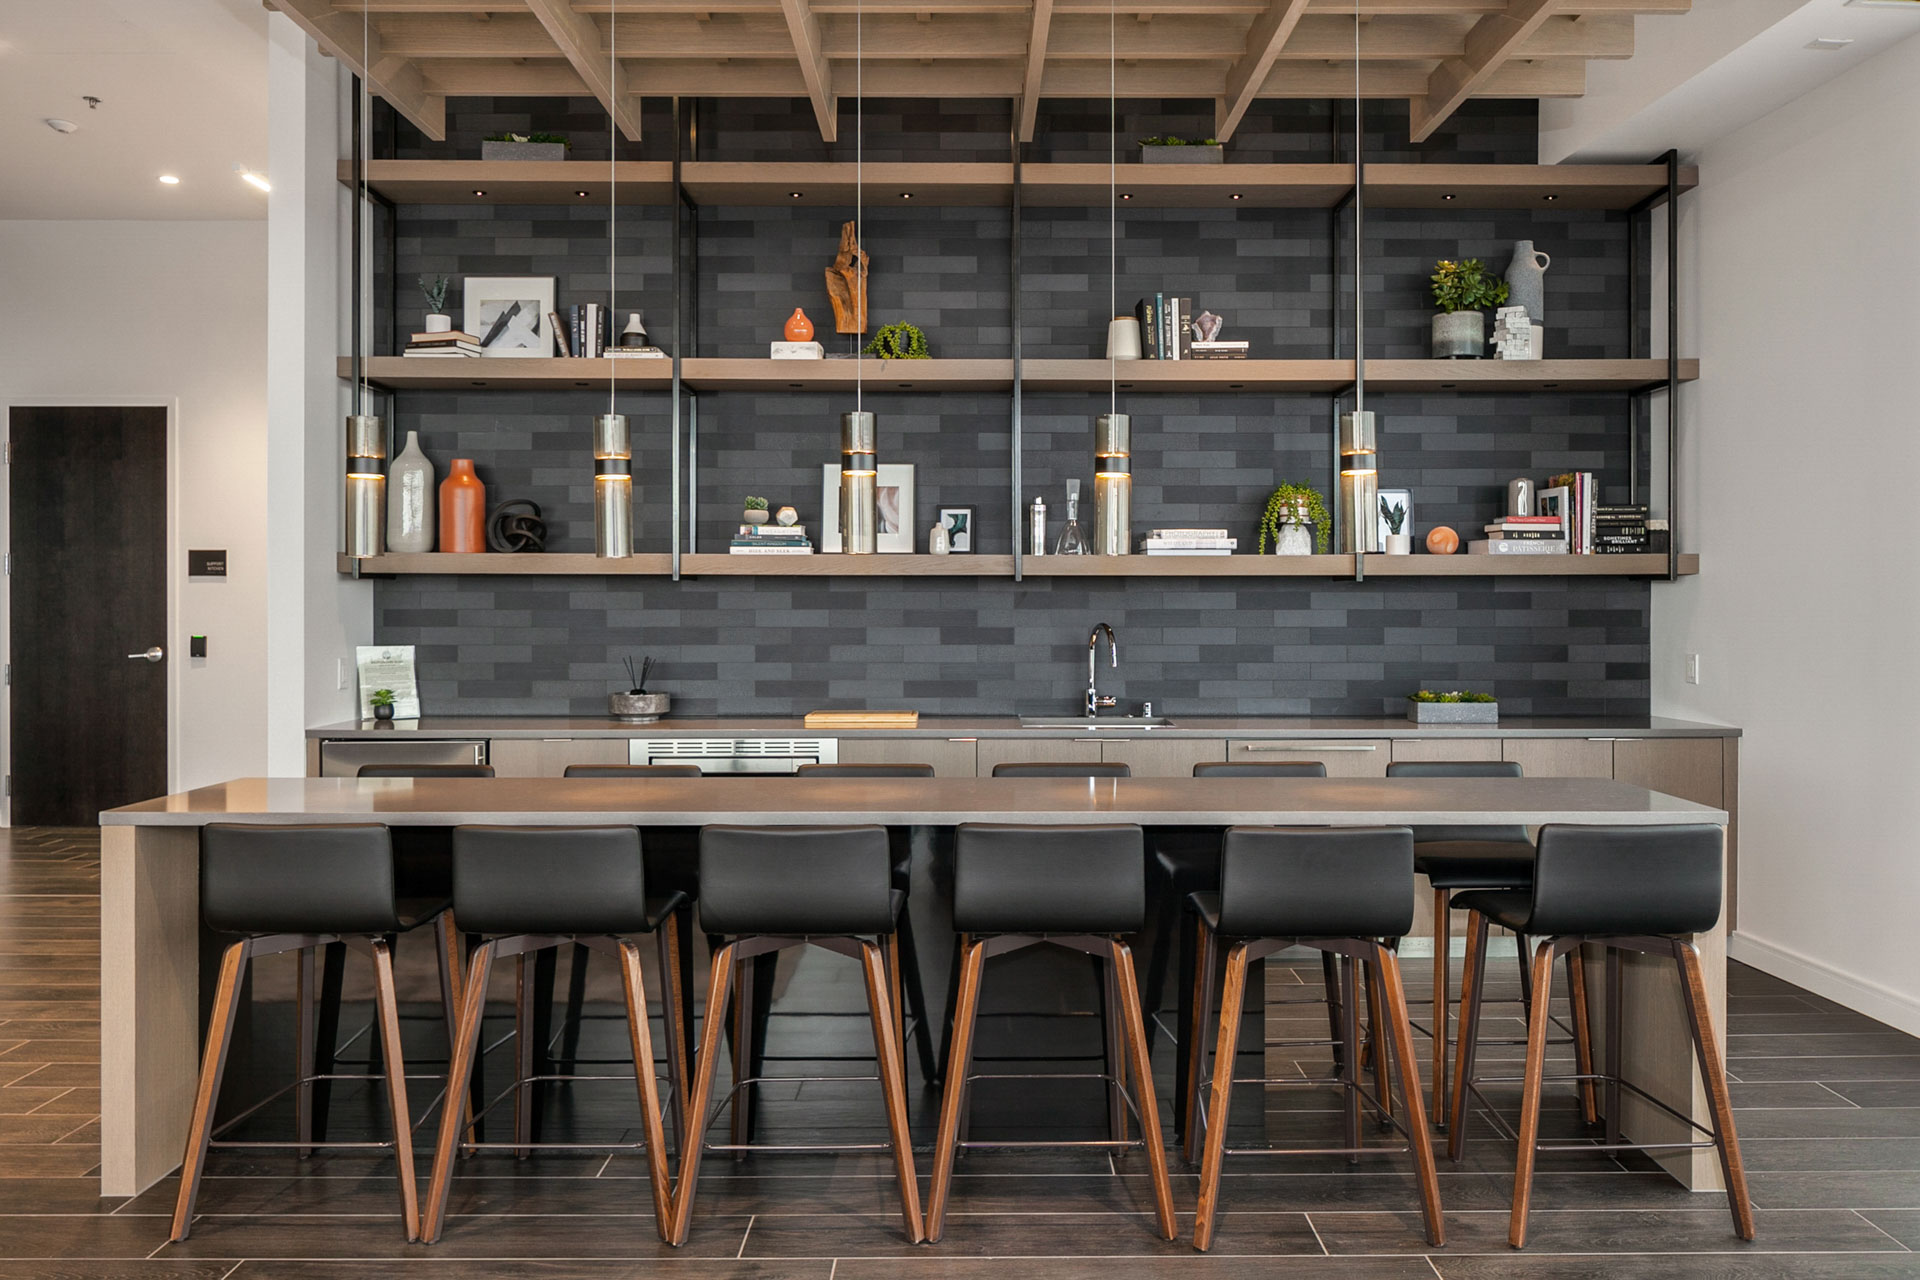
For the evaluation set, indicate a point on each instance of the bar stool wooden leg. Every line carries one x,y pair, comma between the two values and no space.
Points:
1336,1016
1713,1074
387,1010
1134,1029
1394,1000
1115,1055
896,995
1205,962
1231,1000
453,1120
741,1107
893,1084
673,1014
1467,1046
634,984
703,1068
1442,999
973,957
1377,1035
1582,1036
213,1065
1542,986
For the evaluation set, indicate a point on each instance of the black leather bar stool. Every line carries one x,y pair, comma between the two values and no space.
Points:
1062,769
1646,889
763,890
1339,891
526,889
1455,859
295,889
1081,888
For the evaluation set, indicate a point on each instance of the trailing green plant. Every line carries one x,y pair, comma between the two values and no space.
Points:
1286,503
435,292
560,138
1466,286
1171,140
1456,695
898,342
381,697
1395,515
755,504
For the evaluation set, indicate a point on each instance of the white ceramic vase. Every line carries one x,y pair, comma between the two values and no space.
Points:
1399,544
411,500
439,324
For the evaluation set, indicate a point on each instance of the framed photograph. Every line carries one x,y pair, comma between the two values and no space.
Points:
893,496
508,314
1395,500
958,522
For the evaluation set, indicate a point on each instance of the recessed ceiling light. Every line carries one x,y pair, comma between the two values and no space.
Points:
1126,195
60,126
906,195
796,194
1447,196
1829,44
477,191
252,179
170,180
1236,195
1550,198
583,194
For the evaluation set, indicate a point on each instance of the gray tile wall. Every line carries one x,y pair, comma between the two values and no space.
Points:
746,646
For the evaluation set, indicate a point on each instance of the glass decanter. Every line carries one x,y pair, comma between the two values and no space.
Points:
1072,541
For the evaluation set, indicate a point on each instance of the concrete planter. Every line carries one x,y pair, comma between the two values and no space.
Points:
523,151
1189,154
1459,335
1453,712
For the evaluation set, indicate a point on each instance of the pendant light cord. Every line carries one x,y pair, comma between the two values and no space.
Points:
1359,231
360,205
859,195
1113,200
613,215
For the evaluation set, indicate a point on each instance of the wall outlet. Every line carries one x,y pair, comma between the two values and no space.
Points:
1693,668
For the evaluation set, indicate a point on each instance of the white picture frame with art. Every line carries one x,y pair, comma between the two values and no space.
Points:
509,314
893,495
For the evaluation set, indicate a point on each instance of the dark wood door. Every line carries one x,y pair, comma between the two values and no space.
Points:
88,502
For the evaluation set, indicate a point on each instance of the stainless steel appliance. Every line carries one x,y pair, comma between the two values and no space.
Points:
736,755
342,758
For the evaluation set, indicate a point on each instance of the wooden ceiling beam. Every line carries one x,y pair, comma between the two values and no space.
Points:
480,78
579,39
814,68
1038,31
1169,8
1269,32
398,80
1492,41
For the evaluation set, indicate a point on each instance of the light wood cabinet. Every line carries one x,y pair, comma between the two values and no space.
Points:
1691,768
549,757
1163,757
950,757
1344,758
1445,749
992,751
1561,757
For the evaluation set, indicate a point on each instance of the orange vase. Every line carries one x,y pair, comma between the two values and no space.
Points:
799,328
463,509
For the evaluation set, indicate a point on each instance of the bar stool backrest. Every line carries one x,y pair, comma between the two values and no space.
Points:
631,771
1042,879
864,771
321,879
1260,769
1062,769
1460,769
1661,880
1316,882
425,771
512,880
796,881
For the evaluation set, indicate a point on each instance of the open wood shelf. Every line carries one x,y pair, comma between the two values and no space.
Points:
749,374
1342,566
1186,186
832,183
506,373
1187,375
1519,186
845,566
544,564
1522,375
487,182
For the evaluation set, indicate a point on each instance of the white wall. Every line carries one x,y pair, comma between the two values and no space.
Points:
169,313
1801,285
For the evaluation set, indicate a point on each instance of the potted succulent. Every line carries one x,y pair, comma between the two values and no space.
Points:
435,292
1399,542
636,705
1290,509
1169,149
898,342
1458,706
756,511
382,700
524,146
1463,290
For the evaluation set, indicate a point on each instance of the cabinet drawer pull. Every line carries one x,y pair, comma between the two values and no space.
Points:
1285,746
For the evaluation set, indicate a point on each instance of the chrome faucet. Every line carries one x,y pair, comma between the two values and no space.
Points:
1095,699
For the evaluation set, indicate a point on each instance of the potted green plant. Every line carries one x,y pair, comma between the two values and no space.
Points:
756,511
524,146
382,700
1457,706
1463,290
1170,149
1399,542
898,342
1290,509
435,292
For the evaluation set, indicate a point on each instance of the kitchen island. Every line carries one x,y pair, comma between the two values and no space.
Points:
150,929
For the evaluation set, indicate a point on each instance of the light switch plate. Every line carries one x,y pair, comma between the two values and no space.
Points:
1693,668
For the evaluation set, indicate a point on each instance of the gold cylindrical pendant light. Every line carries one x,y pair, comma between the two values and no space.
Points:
1113,485
1359,483
859,516
366,484
612,487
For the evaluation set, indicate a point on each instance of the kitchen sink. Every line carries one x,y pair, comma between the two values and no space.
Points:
1102,722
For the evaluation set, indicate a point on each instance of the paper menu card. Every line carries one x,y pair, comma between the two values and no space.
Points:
388,666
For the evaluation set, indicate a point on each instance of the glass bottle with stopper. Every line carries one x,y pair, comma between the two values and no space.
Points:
1072,541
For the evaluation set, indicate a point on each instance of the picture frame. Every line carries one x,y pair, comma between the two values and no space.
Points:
958,522
893,493
509,315
1389,498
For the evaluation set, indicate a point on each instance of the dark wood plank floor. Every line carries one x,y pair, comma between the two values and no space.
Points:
1829,1109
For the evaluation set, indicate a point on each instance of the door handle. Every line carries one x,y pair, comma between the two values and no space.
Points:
1309,746
152,655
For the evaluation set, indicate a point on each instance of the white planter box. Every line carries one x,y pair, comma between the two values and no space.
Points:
1189,154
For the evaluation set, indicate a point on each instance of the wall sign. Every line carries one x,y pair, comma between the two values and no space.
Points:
207,564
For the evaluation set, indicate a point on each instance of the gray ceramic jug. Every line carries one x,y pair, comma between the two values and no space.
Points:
1527,280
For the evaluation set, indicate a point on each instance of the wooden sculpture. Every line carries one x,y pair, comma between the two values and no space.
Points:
847,284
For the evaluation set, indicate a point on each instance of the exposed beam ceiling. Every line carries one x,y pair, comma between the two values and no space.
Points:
576,36
395,79
1036,67
1494,39
815,70
1268,35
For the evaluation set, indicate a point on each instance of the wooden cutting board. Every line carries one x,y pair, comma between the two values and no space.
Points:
862,719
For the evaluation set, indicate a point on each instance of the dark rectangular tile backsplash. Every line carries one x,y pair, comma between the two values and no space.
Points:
1255,646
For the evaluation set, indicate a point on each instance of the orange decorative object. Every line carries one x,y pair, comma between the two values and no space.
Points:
463,509
1442,541
799,328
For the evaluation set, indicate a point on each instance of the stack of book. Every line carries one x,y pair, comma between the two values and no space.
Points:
1573,497
1188,542
453,345
771,540
1166,332
1621,530
1522,536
